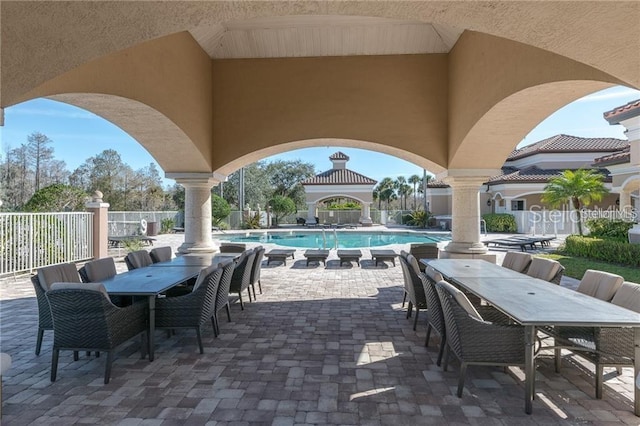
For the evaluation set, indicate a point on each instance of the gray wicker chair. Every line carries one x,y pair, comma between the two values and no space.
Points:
191,310
241,278
46,276
435,317
138,259
255,270
232,247
475,341
413,287
160,254
222,296
517,261
98,270
85,319
424,251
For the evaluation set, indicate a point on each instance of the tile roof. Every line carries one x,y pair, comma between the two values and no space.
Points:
623,112
437,184
339,177
532,174
620,157
568,144
339,156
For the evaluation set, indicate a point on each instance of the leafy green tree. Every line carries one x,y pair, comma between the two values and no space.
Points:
386,191
257,189
57,198
39,153
579,188
220,209
281,206
285,178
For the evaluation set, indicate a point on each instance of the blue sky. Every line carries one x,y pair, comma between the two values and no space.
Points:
78,134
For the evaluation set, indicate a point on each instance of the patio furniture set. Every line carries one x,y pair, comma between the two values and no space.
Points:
97,310
488,314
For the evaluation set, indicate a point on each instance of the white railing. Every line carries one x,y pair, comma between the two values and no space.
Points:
129,223
32,240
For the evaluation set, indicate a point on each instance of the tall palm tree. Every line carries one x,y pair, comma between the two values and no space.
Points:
398,186
579,187
384,190
414,180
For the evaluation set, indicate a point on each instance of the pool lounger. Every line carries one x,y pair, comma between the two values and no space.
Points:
316,256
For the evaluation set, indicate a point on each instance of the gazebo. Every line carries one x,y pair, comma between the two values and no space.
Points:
339,182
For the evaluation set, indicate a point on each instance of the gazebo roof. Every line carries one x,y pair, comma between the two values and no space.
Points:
339,177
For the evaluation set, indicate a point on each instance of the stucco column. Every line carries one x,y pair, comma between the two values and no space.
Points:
197,212
311,213
365,217
625,201
100,229
465,216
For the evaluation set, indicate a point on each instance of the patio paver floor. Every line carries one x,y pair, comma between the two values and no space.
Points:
320,346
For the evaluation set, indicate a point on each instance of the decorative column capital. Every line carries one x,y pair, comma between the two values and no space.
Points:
460,178
197,179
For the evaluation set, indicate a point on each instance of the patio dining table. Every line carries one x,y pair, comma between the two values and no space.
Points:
149,282
202,260
536,303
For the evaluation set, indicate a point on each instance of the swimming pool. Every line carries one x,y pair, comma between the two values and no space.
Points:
327,239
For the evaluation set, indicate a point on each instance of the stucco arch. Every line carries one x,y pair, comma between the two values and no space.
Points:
338,195
512,88
280,148
632,183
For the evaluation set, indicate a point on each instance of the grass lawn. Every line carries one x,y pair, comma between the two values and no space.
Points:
575,267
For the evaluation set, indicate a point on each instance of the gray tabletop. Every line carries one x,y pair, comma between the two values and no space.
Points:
150,280
202,260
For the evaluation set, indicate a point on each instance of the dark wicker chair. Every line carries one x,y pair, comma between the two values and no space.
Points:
241,278
232,247
475,341
160,254
435,317
424,251
85,319
255,270
413,287
191,310
138,259
41,282
222,296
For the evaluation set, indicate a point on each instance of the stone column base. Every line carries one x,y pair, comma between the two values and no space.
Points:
484,256
186,248
634,234
466,248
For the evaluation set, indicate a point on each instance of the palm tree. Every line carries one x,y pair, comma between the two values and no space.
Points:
579,187
398,186
414,180
384,194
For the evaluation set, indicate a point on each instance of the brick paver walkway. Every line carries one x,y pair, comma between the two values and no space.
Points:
320,346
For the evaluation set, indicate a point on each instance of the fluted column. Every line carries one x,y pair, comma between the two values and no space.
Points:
465,214
197,212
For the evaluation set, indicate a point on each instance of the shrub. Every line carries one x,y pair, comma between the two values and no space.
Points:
166,225
607,228
603,249
500,222
419,218
252,221
220,209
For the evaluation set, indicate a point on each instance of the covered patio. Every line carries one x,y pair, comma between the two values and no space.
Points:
320,346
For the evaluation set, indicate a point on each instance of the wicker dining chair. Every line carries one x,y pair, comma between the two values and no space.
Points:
546,269
42,281
473,340
138,259
413,287
161,254
85,319
517,261
98,270
435,317
255,270
222,296
424,251
241,278
191,310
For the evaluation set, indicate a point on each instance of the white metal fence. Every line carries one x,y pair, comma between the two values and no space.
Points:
32,240
129,223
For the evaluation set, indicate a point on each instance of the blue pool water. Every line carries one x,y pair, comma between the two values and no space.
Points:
318,239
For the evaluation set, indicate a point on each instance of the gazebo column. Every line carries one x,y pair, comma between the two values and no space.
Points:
197,211
365,217
311,212
465,216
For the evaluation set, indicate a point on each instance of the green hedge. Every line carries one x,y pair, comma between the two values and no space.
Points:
611,251
500,222
607,228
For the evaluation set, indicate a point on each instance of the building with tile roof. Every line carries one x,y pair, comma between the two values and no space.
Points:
517,190
339,182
